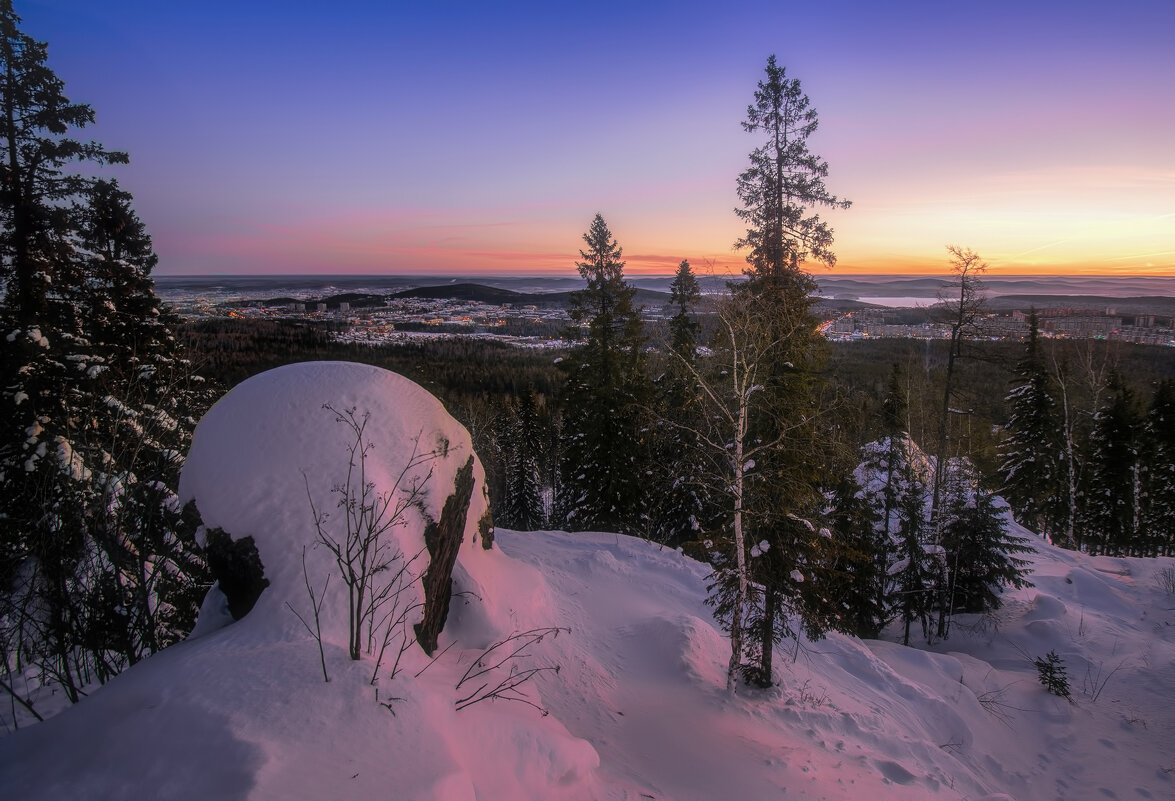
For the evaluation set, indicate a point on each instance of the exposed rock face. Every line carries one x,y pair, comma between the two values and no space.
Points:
443,540
237,568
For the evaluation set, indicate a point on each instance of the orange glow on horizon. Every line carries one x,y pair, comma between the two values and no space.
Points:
422,242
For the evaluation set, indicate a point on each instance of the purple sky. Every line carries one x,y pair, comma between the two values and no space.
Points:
385,137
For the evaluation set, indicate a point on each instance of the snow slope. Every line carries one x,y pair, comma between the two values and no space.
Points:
637,709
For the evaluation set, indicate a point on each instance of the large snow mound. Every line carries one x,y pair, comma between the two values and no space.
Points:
268,459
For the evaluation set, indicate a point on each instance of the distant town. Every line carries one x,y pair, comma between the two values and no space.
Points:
538,320
1058,322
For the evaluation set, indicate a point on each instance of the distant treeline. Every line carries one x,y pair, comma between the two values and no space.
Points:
456,369
476,378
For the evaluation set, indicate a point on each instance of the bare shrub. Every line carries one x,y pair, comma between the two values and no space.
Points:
1096,679
1165,580
499,672
994,704
377,573
316,600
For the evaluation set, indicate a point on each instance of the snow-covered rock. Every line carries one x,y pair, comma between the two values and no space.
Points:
276,444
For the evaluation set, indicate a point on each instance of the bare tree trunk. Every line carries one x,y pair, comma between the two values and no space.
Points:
767,635
736,647
1070,465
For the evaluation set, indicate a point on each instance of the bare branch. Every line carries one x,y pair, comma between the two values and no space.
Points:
495,657
316,608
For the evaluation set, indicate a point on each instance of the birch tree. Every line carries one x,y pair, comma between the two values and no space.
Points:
735,391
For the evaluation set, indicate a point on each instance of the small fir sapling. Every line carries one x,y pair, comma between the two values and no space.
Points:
1053,675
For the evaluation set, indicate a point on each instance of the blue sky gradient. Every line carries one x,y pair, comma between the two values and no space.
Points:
452,137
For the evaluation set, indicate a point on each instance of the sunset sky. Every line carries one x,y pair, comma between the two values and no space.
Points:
286,136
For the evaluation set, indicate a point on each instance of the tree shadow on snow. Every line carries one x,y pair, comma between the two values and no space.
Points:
129,745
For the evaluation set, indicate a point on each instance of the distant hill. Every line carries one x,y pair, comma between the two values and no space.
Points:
484,294
358,300
826,306
495,296
467,292
644,297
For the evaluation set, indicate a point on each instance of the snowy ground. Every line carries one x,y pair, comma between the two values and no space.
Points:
638,708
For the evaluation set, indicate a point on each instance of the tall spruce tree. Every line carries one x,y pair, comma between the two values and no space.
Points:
603,454
1114,489
1158,461
680,500
861,559
895,475
784,182
98,563
143,406
523,508
982,556
915,571
36,119
780,192
880,477
1032,456
684,293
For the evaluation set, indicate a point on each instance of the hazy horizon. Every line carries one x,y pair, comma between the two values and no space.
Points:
866,287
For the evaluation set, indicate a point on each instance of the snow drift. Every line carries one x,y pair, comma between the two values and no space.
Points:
637,709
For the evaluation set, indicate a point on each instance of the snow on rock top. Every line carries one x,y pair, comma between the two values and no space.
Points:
276,444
